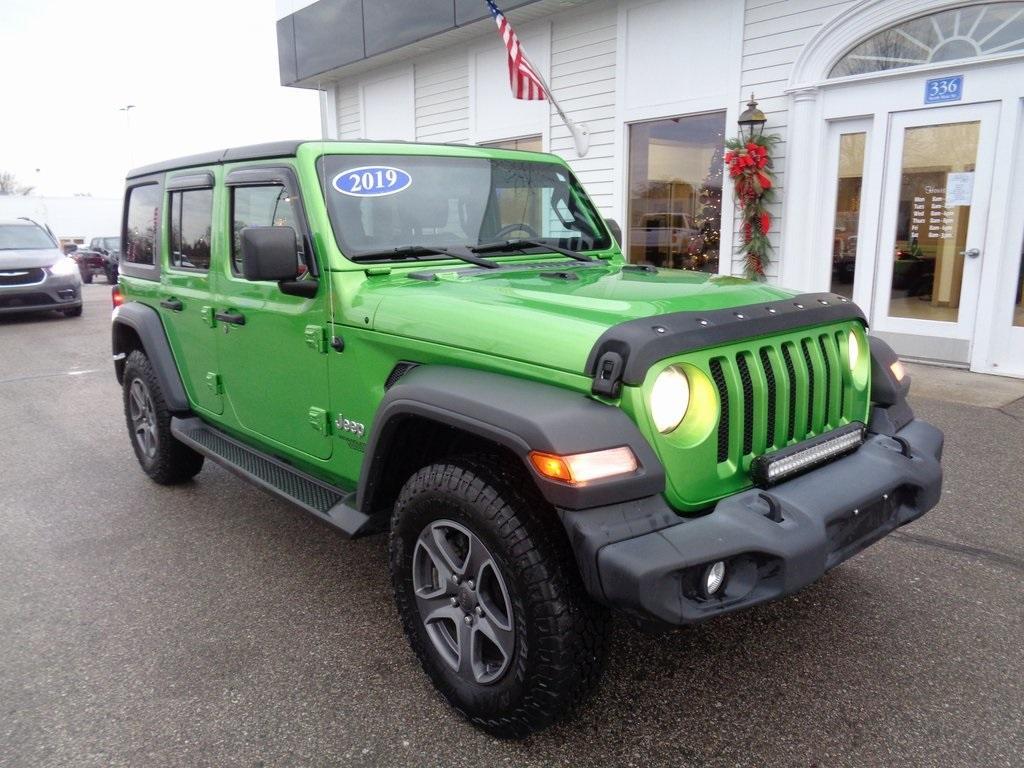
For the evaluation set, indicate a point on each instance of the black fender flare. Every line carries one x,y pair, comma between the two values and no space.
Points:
890,411
146,323
521,416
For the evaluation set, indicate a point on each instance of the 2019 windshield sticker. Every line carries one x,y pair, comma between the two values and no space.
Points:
371,181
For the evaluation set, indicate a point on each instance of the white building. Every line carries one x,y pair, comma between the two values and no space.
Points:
900,165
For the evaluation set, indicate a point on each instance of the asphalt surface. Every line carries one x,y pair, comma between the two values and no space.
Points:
212,625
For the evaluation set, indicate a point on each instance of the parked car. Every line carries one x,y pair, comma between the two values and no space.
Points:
105,245
663,238
90,263
110,247
35,275
544,431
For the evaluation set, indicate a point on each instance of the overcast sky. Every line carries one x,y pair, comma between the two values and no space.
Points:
202,74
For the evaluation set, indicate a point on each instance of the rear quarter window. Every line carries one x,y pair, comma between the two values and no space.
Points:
142,224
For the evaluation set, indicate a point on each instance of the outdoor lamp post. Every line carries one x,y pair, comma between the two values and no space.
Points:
751,121
127,109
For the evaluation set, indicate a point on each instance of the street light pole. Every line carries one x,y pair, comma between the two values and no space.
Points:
127,109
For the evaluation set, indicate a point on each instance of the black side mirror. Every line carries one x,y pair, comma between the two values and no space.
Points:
269,253
615,229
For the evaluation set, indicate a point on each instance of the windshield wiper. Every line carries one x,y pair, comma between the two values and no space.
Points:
419,251
523,244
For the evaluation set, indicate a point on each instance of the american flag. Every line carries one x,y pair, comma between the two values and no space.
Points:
526,83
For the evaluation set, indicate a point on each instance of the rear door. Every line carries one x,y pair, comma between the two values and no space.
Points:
187,296
272,346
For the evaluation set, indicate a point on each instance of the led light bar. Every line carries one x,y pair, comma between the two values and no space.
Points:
775,467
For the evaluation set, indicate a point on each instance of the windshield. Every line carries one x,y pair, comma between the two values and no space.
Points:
110,243
24,237
383,202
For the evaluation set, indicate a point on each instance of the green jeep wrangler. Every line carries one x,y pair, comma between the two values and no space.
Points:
445,343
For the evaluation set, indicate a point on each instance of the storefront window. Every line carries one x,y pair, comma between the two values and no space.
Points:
519,202
529,143
953,35
675,191
847,219
936,186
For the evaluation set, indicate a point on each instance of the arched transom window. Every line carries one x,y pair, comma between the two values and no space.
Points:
951,35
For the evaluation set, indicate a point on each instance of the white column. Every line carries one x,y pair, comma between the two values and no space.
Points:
329,111
800,207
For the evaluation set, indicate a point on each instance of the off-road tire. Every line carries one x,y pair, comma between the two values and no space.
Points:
560,632
73,312
171,461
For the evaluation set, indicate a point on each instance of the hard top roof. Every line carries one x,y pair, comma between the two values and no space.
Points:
251,152
265,152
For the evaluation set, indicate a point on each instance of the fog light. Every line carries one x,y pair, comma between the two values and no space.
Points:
714,575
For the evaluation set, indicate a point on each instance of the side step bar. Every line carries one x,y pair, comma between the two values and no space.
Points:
330,503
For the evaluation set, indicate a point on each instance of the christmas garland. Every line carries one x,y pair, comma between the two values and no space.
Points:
750,168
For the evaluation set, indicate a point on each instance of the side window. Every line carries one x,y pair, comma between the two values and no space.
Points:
271,205
191,218
142,224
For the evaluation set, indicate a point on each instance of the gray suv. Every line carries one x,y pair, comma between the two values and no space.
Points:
35,275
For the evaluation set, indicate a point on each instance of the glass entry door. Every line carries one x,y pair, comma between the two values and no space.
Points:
935,202
1004,352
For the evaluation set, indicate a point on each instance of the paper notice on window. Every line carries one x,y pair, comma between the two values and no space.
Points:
959,188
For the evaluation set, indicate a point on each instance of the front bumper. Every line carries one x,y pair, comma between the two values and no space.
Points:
54,292
642,558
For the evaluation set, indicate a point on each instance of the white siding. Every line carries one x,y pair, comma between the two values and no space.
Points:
349,119
583,64
774,34
442,98
584,75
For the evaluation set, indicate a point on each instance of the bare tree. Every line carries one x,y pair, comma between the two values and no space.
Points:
9,185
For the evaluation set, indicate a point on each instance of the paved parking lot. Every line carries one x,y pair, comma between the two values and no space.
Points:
213,625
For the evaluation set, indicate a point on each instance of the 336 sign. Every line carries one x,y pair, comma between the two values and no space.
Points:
940,89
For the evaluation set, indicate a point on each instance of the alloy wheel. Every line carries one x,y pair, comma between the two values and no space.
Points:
143,416
463,602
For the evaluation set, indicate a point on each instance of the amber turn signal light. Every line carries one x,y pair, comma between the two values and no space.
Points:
583,467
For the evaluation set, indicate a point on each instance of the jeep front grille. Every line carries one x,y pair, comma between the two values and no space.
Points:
778,393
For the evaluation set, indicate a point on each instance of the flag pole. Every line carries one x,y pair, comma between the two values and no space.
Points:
580,132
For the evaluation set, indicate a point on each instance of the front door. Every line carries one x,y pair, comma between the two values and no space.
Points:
935,198
272,349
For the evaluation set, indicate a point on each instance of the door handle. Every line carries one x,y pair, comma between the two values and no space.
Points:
235,318
172,304
971,253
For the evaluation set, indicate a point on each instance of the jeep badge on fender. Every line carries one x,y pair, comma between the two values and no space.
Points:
554,433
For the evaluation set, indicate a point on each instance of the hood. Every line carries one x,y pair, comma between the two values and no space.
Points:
33,257
548,314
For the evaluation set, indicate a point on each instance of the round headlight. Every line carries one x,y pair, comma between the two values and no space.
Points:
852,350
670,397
